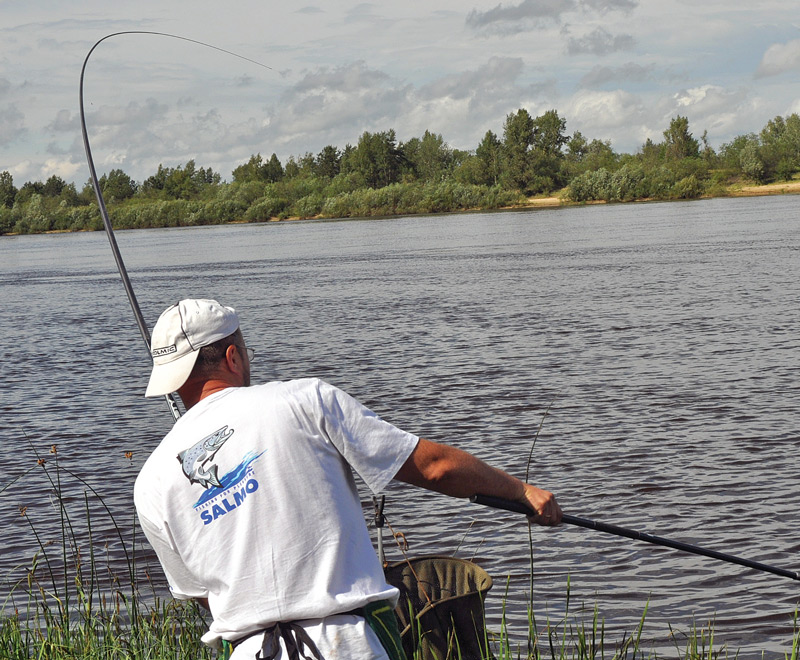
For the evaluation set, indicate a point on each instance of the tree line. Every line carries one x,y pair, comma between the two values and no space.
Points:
380,175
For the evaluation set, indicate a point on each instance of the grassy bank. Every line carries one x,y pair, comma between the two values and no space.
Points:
271,202
69,604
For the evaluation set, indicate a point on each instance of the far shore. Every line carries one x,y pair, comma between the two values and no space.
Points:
781,188
551,201
559,199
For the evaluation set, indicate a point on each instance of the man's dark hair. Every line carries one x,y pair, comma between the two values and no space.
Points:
210,356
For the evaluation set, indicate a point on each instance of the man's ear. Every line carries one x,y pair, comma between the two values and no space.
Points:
233,359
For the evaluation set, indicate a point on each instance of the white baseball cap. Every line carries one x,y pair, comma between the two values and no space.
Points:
179,334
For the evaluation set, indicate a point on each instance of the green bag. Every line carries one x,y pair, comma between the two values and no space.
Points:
441,607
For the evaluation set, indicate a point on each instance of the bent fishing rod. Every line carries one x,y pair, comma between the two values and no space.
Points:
517,507
126,281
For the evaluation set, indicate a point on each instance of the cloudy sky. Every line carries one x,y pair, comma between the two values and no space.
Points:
616,70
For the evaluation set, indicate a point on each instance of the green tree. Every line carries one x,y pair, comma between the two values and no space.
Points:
256,169
69,196
532,148
154,184
116,185
547,152
7,190
651,154
577,146
253,170
292,169
780,147
751,163
27,190
53,186
678,141
729,152
307,164
708,154
206,177
548,134
274,169
517,141
433,158
600,154
376,157
6,220
180,182
490,154
328,161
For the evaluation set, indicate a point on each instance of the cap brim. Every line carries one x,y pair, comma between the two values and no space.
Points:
169,377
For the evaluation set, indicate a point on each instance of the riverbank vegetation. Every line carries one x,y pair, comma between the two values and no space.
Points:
379,176
72,602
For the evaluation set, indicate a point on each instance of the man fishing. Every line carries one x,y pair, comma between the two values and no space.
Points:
251,505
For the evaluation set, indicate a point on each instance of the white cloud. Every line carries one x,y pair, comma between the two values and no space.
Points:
338,103
63,168
533,14
628,72
12,124
713,108
605,6
22,171
780,58
64,121
605,108
527,10
600,42
498,77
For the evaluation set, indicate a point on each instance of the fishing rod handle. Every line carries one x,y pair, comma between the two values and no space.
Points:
519,507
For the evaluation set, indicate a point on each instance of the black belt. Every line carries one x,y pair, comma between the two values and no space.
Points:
294,637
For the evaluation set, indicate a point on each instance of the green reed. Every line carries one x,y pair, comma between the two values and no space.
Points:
69,604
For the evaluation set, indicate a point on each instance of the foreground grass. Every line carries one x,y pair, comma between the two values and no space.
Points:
68,605
127,631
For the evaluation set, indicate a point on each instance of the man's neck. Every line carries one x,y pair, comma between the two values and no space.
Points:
193,393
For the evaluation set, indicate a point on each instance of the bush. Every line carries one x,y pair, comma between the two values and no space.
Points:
344,183
266,208
244,194
6,221
785,169
751,163
687,188
590,186
628,183
216,212
308,206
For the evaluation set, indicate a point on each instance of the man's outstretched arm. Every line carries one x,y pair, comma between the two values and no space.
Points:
454,472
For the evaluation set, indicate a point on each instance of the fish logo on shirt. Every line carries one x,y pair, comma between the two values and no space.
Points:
194,460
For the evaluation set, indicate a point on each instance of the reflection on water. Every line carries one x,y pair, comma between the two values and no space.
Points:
661,337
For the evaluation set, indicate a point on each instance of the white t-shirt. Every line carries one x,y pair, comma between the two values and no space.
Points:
250,501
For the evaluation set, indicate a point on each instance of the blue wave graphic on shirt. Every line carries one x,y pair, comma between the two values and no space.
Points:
230,479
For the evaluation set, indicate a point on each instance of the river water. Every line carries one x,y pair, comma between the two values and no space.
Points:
655,344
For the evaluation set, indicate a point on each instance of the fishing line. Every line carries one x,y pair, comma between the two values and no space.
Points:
126,282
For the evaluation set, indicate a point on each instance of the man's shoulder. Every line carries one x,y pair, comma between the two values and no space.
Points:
298,387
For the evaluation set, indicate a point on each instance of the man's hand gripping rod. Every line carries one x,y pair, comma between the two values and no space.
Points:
517,507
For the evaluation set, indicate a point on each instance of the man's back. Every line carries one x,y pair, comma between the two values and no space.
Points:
250,502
